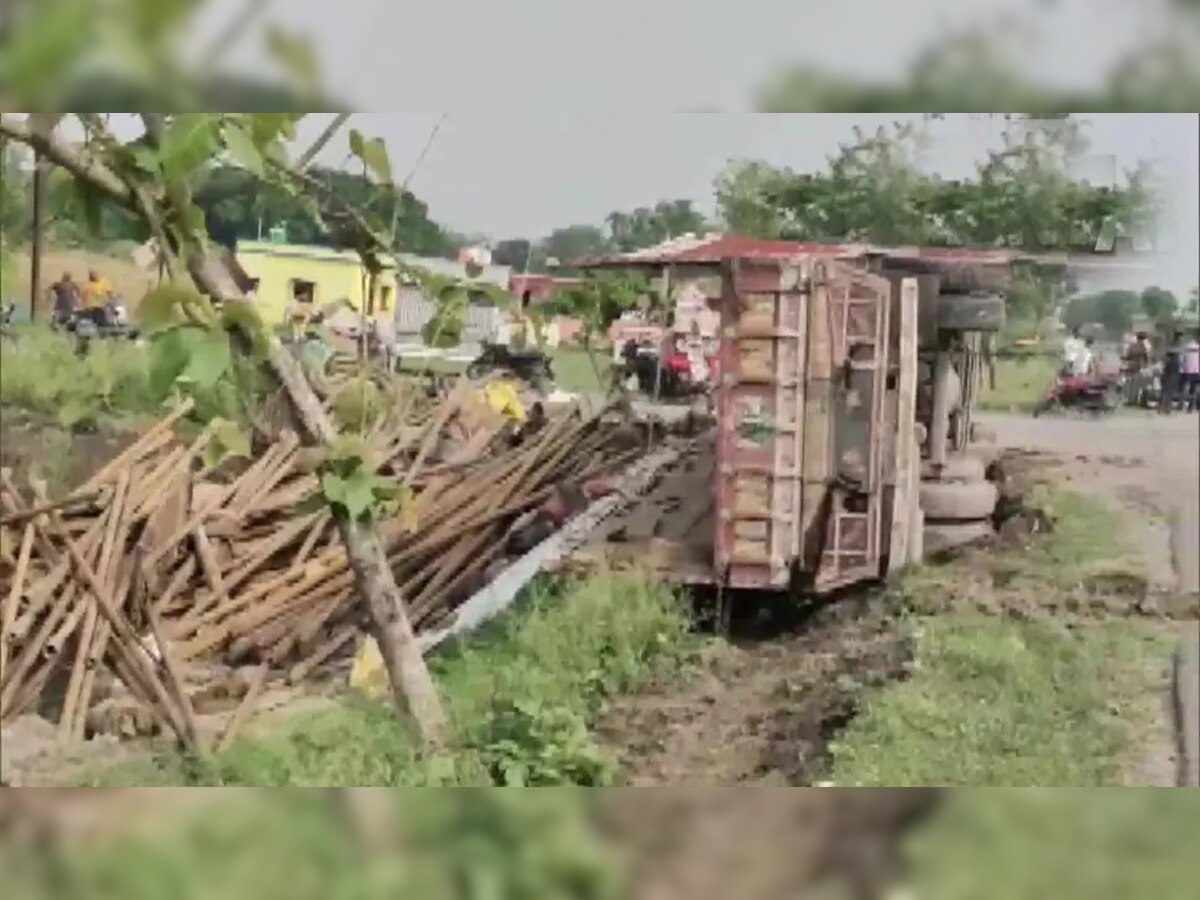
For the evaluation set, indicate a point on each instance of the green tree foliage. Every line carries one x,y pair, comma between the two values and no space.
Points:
1022,195
974,71
1115,310
1159,304
647,226
138,55
575,242
235,201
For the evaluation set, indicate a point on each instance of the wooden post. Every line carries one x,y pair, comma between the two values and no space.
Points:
37,236
908,454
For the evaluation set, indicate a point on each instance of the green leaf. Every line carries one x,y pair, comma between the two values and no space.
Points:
162,307
170,353
234,440
360,493
247,321
210,358
373,153
242,149
190,140
145,158
295,54
333,486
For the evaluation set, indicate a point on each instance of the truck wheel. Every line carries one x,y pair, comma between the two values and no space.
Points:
966,313
963,502
942,536
960,468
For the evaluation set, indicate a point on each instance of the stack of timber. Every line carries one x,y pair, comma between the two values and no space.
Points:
178,589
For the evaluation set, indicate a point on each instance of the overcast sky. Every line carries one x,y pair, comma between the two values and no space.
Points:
560,111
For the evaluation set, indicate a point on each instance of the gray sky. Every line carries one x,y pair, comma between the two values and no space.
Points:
563,110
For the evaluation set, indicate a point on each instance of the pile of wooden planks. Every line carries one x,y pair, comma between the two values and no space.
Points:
164,582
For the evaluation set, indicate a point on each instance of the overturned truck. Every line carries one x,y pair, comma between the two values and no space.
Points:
842,442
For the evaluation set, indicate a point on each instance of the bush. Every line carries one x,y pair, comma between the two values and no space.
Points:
40,372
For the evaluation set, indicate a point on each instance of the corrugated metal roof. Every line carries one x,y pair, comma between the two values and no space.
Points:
715,246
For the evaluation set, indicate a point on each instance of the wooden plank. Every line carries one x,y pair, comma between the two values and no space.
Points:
906,462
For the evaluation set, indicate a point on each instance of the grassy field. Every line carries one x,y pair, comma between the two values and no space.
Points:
519,697
1020,383
129,281
1009,689
573,371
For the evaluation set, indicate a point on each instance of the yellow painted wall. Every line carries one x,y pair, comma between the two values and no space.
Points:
335,273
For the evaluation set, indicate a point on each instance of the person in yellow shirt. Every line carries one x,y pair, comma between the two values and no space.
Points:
96,293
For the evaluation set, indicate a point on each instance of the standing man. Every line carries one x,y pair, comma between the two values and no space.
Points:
96,294
66,299
1190,366
1137,362
1172,373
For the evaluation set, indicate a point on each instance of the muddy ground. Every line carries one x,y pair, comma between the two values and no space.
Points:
762,709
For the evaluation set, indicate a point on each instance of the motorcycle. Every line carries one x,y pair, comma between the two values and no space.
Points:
1098,394
641,362
531,366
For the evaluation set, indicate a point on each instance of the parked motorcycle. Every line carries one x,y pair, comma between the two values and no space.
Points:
1099,394
641,362
531,366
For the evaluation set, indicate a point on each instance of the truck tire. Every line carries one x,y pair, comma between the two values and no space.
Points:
959,468
962,502
943,536
957,312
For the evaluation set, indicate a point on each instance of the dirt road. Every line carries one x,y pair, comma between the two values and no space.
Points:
1150,464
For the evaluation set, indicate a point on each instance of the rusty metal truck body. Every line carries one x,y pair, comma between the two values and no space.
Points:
827,398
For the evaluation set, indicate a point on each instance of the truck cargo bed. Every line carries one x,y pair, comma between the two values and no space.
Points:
670,529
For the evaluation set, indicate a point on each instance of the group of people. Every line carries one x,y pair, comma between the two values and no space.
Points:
1180,376
89,300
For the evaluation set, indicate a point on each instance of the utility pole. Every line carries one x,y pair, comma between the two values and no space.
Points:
36,237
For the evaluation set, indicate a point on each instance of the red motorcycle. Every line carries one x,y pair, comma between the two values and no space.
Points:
1098,394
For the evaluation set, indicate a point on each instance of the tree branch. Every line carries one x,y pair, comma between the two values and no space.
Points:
322,140
70,157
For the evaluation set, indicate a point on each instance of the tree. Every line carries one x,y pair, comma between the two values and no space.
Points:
1022,196
1193,304
1159,305
154,178
237,205
575,242
513,252
970,71
1115,310
748,193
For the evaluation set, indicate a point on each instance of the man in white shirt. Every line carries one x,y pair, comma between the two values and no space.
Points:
1077,355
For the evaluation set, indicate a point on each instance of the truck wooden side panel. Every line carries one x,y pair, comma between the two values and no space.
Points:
799,471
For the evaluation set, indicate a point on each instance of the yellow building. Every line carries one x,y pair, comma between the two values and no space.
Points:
287,273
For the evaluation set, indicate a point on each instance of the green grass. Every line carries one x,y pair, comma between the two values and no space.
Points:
1016,697
519,698
995,703
573,370
1066,844
296,845
1020,383
40,372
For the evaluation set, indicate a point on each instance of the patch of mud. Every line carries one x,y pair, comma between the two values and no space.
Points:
64,457
758,712
717,843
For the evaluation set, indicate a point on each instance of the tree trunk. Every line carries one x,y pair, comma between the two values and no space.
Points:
413,689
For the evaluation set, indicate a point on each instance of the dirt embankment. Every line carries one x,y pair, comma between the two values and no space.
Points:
761,710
